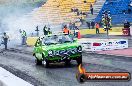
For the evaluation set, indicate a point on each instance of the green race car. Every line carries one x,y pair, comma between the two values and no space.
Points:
57,48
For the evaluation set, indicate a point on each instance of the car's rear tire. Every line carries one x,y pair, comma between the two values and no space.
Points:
79,60
38,62
68,62
81,78
46,63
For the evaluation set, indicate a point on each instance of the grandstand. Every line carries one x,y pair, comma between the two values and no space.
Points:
56,12
120,10
59,12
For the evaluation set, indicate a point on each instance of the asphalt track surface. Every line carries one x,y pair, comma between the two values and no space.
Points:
21,63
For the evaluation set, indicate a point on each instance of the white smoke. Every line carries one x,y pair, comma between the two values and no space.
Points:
12,19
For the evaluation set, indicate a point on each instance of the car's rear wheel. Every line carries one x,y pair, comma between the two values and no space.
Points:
46,63
38,62
81,78
68,62
79,60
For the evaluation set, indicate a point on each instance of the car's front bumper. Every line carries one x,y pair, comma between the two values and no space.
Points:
60,58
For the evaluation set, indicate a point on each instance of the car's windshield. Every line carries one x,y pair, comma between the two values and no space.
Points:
55,39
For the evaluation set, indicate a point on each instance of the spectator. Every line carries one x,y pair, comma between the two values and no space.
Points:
24,37
97,28
126,24
49,31
85,1
81,12
66,30
5,40
92,24
72,10
129,11
88,24
100,24
84,13
73,25
91,9
78,13
70,26
45,31
76,10
81,20
76,29
124,11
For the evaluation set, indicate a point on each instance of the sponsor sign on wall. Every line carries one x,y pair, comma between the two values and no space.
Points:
103,44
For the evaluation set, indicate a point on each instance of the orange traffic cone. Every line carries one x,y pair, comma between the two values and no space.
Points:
79,35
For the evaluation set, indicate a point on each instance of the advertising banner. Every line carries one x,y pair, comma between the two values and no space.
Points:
103,44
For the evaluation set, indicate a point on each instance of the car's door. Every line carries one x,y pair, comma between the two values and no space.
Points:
38,49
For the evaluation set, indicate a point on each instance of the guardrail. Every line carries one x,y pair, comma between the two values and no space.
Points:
8,79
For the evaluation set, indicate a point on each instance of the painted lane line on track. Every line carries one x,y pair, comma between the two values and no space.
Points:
8,79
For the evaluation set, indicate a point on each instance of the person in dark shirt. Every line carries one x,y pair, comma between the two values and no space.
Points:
5,38
91,9
88,24
126,24
92,24
45,30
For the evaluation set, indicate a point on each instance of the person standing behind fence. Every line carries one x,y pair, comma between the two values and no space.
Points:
5,38
91,9
97,28
49,31
66,30
45,30
24,37
92,24
88,24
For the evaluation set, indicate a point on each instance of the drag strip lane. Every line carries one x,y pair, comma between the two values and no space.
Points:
23,66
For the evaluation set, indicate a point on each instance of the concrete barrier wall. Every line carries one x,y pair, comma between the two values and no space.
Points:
31,41
2,84
114,31
8,79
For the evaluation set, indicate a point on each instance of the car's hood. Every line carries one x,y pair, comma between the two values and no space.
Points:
61,46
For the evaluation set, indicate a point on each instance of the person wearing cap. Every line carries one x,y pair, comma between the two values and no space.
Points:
5,38
66,30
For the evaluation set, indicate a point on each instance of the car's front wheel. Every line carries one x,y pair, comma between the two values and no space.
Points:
68,62
79,60
46,63
38,62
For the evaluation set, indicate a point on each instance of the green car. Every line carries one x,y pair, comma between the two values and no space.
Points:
57,48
